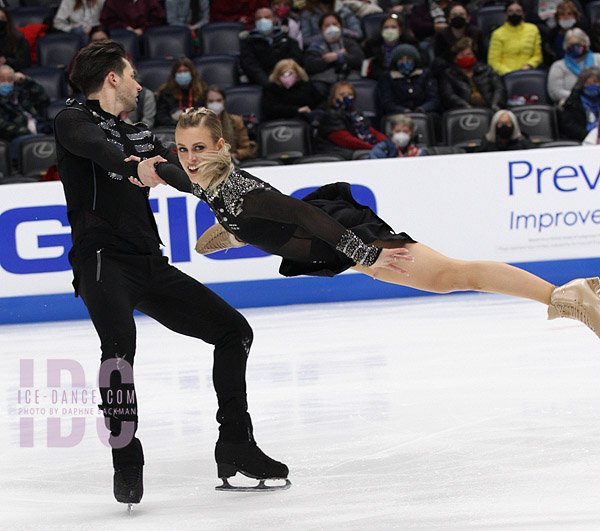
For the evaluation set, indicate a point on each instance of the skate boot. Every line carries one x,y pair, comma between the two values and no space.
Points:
578,299
128,485
216,238
248,459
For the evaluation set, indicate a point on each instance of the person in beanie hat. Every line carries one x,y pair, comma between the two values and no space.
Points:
407,86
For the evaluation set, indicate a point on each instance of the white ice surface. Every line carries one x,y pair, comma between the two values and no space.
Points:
467,412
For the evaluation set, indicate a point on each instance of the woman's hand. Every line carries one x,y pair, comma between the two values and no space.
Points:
147,175
390,259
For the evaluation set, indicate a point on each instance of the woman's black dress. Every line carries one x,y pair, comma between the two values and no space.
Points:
306,233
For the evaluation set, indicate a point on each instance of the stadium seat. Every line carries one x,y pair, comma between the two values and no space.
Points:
310,159
220,38
526,82
284,140
366,97
41,3
21,16
167,42
57,49
166,134
152,73
219,70
55,107
244,100
465,127
371,25
592,11
257,163
36,155
538,122
424,133
129,40
488,18
51,78
5,162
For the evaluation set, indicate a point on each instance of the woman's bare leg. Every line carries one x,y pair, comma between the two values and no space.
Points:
432,271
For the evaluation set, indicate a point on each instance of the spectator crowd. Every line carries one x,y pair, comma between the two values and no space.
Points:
352,78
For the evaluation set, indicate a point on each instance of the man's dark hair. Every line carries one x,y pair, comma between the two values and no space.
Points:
94,62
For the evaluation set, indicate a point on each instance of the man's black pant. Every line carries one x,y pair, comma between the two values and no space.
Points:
112,286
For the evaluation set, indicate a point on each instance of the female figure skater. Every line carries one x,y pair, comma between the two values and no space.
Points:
328,232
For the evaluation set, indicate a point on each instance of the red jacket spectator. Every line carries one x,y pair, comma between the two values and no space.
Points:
132,14
236,11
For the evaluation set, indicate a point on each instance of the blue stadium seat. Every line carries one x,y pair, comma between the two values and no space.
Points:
525,82
57,49
371,25
52,78
592,10
366,97
167,42
21,16
488,18
219,70
244,100
129,40
220,38
152,73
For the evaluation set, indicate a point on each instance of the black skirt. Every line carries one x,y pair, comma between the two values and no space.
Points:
337,201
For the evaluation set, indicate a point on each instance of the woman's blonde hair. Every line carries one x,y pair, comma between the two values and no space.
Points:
217,165
286,64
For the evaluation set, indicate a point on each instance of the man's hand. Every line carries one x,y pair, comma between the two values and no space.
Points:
147,175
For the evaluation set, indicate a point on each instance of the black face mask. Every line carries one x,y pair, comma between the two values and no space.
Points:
514,19
504,131
458,22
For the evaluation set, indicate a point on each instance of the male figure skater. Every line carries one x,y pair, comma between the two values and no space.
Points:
118,267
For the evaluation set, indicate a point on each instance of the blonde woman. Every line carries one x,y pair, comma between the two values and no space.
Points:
289,94
311,240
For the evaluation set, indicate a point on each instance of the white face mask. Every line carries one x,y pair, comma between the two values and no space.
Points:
216,106
332,33
566,23
401,139
390,34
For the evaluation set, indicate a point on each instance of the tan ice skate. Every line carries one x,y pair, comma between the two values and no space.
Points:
578,299
216,238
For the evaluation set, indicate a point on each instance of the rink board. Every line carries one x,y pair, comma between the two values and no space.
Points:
538,209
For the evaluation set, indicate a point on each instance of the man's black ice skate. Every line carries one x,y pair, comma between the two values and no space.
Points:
248,459
128,485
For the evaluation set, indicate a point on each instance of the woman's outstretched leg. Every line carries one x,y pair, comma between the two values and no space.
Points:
432,271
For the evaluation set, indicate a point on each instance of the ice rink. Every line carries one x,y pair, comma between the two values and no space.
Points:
462,412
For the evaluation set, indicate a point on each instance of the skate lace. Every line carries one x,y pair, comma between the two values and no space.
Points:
575,312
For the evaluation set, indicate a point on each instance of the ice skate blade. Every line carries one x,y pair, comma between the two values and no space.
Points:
261,487
129,508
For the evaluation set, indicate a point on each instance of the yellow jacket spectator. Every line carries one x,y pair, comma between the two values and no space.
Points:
516,45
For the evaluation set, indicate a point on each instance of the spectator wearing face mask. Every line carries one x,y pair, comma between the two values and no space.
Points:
314,10
407,86
469,83
516,45
289,94
579,114
262,47
183,89
504,134
399,142
284,16
235,131
378,50
567,16
334,57
564,72
22,104
459,27
343,129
